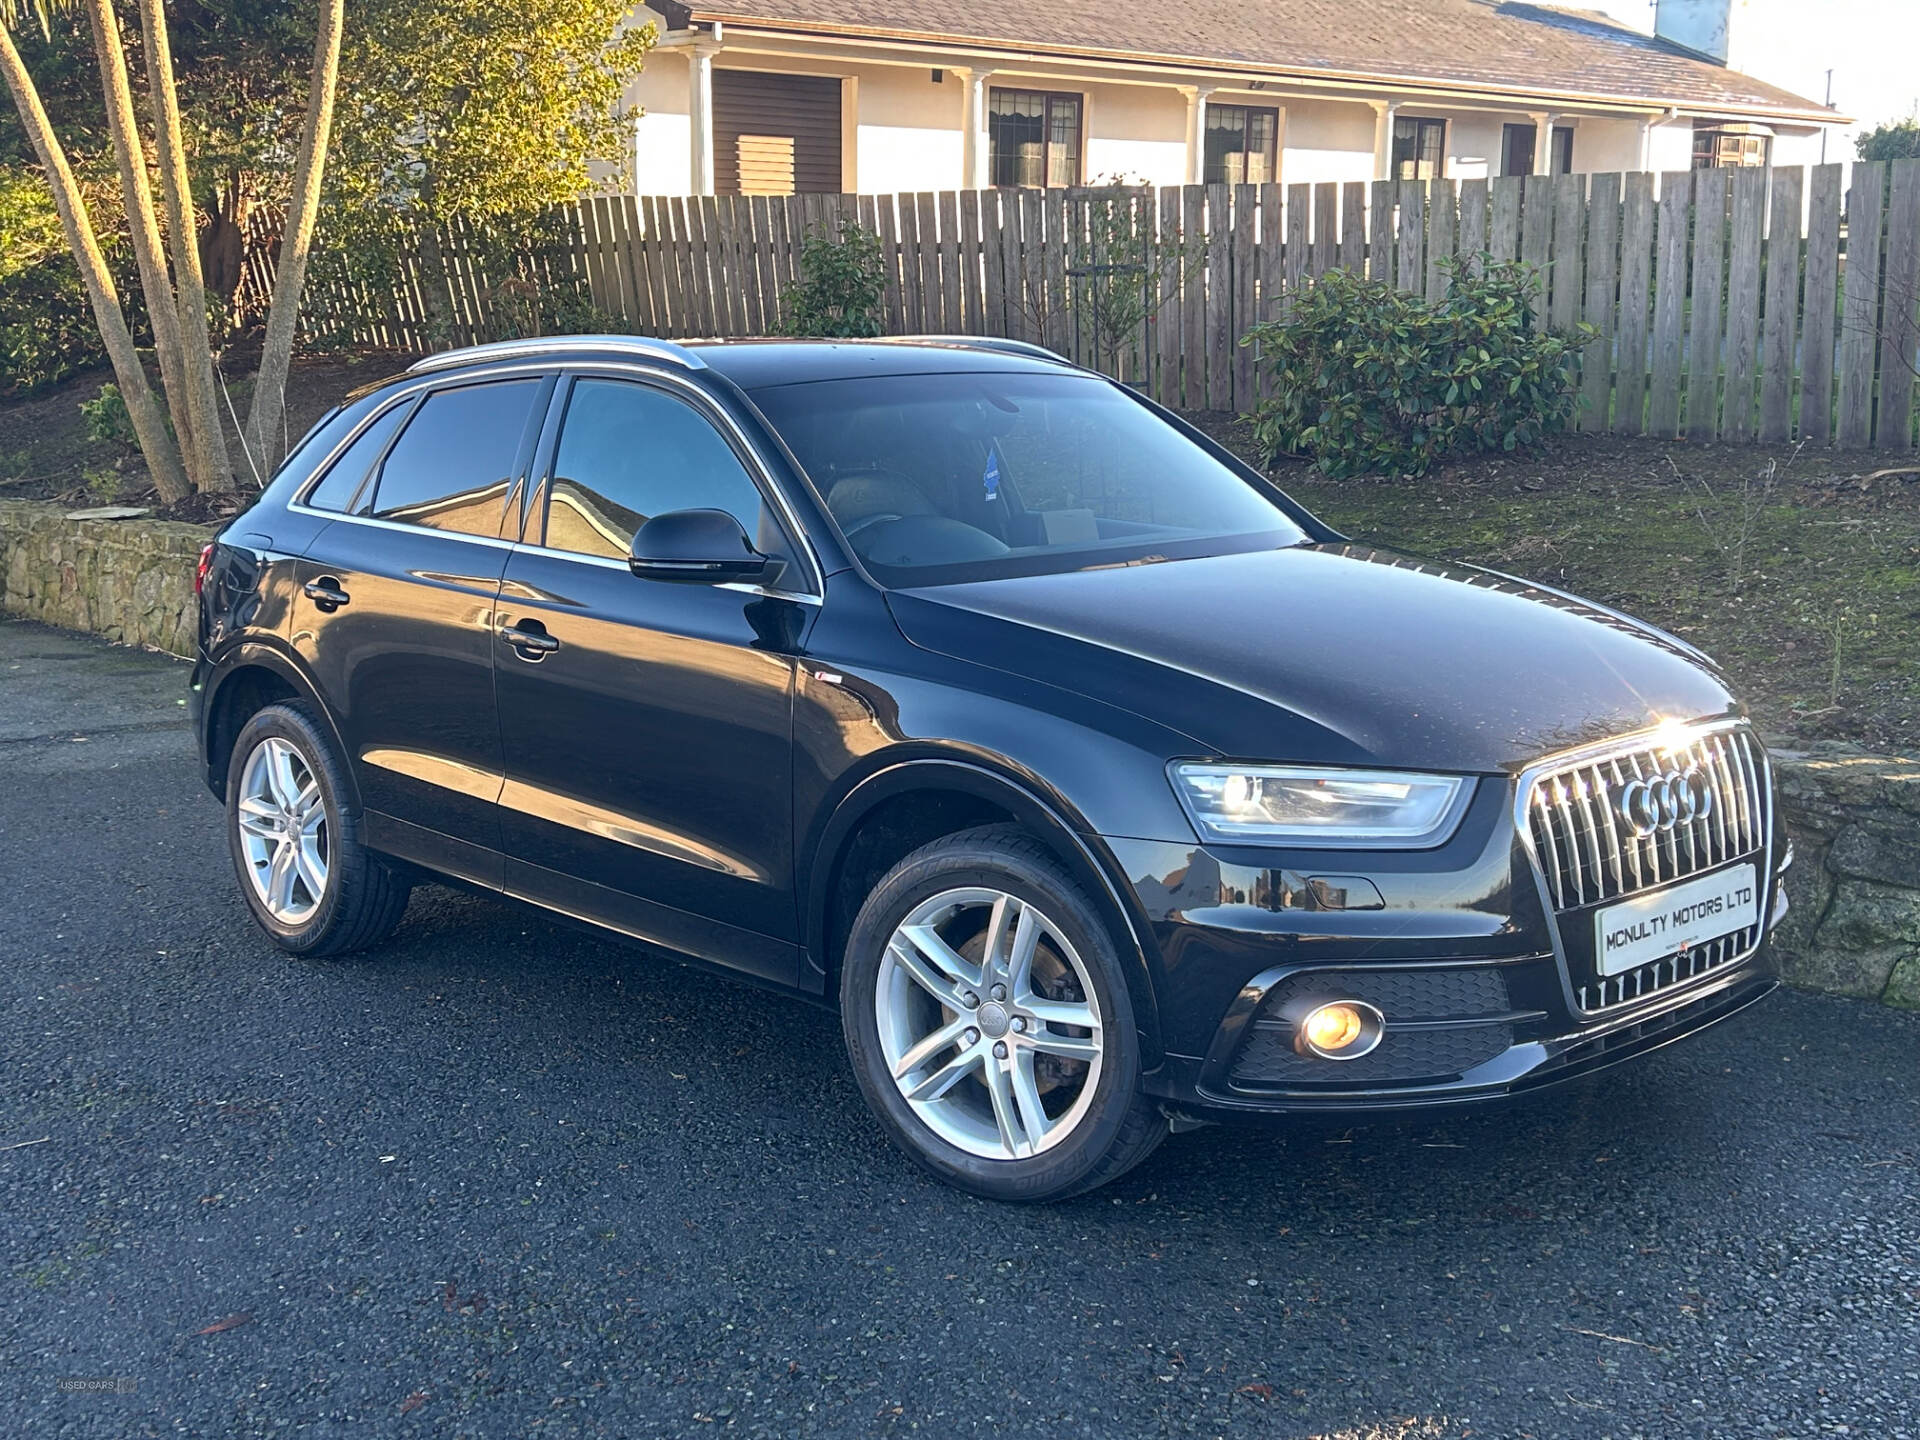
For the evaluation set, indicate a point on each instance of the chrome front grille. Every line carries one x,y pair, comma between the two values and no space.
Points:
1607,991
1588,853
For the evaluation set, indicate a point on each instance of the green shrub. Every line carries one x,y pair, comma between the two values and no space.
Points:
1367,378
107,418
842,282
518,308
47,330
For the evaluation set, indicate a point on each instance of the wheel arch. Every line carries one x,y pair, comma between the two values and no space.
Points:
976,794
246,681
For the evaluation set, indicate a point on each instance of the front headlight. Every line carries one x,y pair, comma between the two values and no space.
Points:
1316,806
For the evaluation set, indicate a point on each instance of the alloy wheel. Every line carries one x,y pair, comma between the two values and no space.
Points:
989,1023
283,831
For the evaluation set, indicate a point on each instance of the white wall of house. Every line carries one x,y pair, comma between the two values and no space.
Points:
1473,144
1669,147
1326,140
662,137
1606,142
1802,147
908,130
1138,132
903,128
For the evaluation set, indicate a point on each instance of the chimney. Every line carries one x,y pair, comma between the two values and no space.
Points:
1700,25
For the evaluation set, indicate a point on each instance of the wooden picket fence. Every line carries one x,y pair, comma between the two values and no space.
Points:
1730,304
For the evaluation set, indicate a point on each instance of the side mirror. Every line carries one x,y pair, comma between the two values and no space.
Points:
699,547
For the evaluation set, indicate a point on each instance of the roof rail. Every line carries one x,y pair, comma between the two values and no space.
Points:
561,345
996,343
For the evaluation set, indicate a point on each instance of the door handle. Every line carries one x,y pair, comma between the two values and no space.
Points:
530,639
326,593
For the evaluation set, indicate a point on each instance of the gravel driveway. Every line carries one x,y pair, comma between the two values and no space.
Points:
506,1179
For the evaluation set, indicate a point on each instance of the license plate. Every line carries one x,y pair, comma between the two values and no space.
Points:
1662,922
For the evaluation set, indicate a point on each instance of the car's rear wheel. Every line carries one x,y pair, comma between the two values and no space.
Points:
989,1022
310,882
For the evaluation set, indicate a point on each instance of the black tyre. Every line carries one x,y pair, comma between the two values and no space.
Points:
989,1023
296,843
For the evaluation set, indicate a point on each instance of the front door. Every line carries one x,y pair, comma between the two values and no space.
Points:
647,726
395,616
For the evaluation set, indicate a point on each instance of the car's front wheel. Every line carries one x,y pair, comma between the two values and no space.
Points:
310,882
989,1022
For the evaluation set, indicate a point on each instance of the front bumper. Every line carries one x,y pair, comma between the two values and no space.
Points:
1452,947
1531,1054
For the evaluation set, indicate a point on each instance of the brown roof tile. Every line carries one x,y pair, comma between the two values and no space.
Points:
1493,45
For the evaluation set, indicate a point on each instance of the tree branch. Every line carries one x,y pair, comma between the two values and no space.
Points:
266,414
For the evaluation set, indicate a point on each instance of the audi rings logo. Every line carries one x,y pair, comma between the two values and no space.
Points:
1674,797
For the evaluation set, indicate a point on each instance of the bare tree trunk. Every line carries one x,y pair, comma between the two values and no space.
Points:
212,469
265,416
162,312
149,422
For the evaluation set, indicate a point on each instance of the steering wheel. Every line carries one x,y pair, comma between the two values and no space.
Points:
892,478
867,520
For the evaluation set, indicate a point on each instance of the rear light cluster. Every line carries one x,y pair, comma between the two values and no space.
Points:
200,570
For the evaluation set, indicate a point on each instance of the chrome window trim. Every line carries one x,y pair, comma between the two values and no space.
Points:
607,562
401,393
1671,995
497,541
559,348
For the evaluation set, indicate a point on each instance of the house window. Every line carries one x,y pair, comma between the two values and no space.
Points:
1517,145
1033,138
1242,145
1563,149
1419,148
1516,149
1727,146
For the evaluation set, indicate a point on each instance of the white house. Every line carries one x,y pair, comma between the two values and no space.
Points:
777,96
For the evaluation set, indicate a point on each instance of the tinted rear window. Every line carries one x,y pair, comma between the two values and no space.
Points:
452,466
336,490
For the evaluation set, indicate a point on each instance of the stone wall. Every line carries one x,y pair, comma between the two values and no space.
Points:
1855,884
129,580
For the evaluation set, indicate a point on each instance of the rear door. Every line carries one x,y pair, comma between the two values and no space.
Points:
395,613
648,727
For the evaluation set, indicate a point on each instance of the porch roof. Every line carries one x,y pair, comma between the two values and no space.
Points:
1508,50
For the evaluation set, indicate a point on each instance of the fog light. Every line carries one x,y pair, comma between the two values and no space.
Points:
1340,1030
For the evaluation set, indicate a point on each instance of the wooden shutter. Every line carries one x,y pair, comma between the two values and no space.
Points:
775,134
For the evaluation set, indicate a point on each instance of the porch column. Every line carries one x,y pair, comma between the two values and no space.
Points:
1196,131
700,114
974,149
1542,143
1384,112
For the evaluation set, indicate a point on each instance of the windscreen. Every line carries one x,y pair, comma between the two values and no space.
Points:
938,479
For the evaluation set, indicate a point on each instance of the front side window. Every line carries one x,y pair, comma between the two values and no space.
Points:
453,465
629,452
1033,138
1419,148
1242,145
936,479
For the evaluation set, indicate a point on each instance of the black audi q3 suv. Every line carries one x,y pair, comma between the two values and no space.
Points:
1101,788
